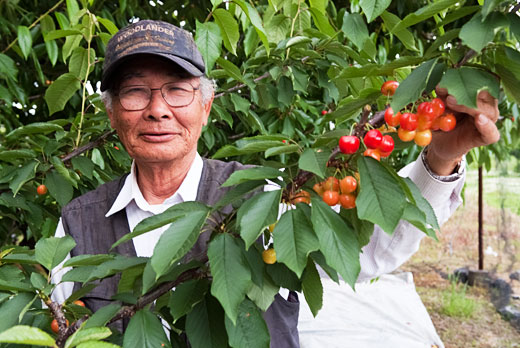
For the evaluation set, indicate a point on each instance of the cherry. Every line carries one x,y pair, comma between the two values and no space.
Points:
388,88
392,119
387,144
408,121
374,153
405,135
347,201
301,197
318,188
41,190
448,122
331,184
323,112
426,109
438,107
331,197
348,184
423,138
349,144
269,256
373,139
423,122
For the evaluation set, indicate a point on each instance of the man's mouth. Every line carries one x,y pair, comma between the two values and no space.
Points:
157,137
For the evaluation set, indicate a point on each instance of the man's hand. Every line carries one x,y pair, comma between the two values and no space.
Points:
475,127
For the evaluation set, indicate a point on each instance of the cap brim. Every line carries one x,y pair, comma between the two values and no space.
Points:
183,64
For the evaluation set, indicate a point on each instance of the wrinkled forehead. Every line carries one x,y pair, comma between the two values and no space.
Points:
141,65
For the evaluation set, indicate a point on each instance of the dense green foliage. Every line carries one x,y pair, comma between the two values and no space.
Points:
278,65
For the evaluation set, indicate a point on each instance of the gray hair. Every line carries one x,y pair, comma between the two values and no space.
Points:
207,89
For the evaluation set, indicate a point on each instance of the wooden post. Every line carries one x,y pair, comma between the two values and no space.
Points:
480,221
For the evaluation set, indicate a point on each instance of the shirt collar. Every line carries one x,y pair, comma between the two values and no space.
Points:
131,192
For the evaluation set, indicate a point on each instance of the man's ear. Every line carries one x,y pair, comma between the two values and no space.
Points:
207,109
110,114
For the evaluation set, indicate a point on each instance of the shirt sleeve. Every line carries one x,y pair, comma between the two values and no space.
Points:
62,291
384,253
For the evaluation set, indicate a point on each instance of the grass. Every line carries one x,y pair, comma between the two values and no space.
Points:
455,303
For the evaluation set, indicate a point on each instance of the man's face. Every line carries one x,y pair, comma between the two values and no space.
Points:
159,133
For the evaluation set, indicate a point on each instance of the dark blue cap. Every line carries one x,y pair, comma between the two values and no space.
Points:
156,38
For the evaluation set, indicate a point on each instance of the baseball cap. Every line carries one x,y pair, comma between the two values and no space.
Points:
156,38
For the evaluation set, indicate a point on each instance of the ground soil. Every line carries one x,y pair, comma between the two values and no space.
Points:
458,247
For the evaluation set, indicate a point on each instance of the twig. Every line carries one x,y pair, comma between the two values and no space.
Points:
470,54
516,8
88,146
242,85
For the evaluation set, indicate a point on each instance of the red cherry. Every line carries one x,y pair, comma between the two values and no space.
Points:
438,107
448,122
348,144
388,88
387,144
392,119
408,121
323,112
425,109
423,122
373,139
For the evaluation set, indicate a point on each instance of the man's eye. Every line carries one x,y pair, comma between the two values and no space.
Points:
134,90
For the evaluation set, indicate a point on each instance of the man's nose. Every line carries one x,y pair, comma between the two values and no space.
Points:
158,108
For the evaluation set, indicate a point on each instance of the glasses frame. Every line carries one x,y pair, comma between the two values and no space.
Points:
118,93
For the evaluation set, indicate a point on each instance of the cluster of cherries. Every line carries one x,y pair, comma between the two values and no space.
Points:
418,126
334,191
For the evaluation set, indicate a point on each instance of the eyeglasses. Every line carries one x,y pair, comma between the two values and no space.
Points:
175,94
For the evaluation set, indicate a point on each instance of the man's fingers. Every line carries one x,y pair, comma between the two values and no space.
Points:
441,92
488,130
451,103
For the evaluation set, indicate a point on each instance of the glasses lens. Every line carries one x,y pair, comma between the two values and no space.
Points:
134,97
178,94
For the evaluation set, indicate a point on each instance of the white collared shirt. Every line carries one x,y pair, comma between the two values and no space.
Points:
382,254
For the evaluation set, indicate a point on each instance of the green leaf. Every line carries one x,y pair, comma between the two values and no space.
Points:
38,281
256,214
62,170
509,82
23,334
97,344
363,228
250,329
263,296
374,8
177,240
13,155
355,29
412,87
381,199
319,258
257,173
424,13
59,188
294,239
278,150
8,67
228,28
145,330
312,288
404,35
72,11
87,260
238,192
314,162
61,90
24,40
109,25
205,325
515,24
423,204
22,175
88,273
231,277
51,251
57,34
11,309
337,241
82,61
209,42
85,335
168,216
256,21
85,289
477,33
489,6
351,104
186,296
322,22
465,83
231,69
84,165
34,128
102,316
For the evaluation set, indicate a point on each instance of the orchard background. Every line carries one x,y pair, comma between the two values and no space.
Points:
278,64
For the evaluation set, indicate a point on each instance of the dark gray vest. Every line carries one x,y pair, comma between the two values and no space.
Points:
84,219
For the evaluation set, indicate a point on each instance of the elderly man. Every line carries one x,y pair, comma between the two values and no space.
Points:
158,100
